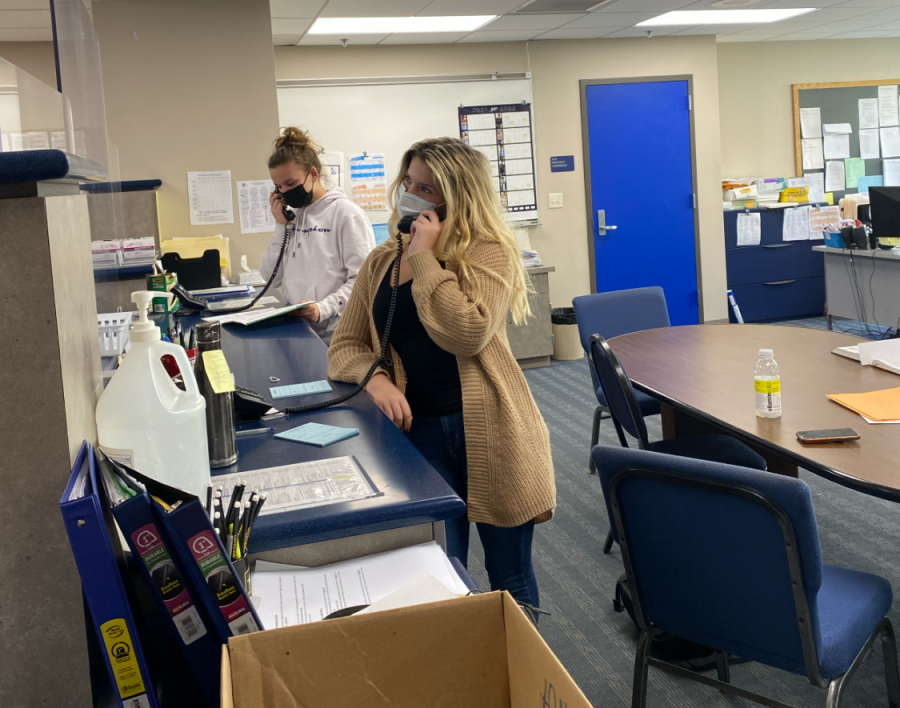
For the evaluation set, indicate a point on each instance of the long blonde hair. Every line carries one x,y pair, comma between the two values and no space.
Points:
463,175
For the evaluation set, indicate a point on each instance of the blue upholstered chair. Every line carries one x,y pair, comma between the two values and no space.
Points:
729,557
609,315
626,413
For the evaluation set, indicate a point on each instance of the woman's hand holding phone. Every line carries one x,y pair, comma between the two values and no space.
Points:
425,232
276,204
389,399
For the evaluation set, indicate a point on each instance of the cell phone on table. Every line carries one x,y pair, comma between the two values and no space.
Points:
827,436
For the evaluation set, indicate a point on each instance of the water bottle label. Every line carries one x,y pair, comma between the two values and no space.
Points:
768,395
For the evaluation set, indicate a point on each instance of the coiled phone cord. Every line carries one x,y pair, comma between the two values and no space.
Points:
259,295
382,359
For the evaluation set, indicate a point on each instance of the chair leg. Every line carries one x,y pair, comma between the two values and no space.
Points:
621,433
722,668
595,435
608,543
891,670
833,698
639,691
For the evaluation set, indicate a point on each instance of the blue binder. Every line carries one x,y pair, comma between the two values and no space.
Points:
191,628
199,552
103,586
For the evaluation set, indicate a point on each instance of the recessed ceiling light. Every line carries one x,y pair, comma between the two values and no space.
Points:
398,25
724,17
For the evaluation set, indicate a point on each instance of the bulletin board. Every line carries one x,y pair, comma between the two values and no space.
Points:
839,103
387,115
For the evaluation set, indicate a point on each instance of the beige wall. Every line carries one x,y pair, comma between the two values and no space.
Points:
190,86
34,57
556,68
755,94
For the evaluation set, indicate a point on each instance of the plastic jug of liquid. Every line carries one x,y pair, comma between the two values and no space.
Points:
145,421
768,385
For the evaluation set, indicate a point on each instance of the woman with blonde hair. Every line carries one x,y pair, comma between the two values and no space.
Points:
328,236
449,379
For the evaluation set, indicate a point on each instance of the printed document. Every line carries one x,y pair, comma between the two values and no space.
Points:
837,146
887,106
868,144
209,195
302,595
811,151
890,142
891,173
810,123
868,113
834,176
253,206
854,168
748,230
796,224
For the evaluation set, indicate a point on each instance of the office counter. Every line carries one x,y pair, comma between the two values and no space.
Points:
414,500
857,279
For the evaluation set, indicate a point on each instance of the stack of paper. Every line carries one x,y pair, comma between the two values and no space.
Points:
106,254
884,354
138,251
532,259
250,317
875,406
289,595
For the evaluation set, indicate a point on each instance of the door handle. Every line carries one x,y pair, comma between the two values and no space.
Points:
602,226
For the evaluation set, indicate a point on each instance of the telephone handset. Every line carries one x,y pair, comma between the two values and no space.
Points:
288,214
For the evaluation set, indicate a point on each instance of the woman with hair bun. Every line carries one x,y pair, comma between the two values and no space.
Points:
329,237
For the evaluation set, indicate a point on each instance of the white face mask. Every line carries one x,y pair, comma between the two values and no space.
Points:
411,205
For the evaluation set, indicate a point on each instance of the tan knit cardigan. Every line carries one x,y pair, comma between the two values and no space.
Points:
507,444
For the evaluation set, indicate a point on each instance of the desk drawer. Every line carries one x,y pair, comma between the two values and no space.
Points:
801,297
771,226
781,261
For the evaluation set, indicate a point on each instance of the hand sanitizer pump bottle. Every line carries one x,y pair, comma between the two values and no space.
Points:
145,421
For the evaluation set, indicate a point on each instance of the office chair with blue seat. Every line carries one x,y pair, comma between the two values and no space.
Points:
739,568
627,414
609,315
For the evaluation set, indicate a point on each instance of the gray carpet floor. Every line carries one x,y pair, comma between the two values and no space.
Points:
576,580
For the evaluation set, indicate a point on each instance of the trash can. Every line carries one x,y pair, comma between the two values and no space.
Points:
566,342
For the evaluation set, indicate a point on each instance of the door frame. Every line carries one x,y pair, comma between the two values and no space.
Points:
586,157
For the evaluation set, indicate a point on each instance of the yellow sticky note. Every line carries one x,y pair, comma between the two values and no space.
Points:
829,197
217,371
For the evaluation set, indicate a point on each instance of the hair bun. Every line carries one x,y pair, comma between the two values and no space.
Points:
293,137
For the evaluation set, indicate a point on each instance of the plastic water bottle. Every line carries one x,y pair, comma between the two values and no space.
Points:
145,421
768,386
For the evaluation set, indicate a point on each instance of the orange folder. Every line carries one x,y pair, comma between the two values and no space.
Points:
877,405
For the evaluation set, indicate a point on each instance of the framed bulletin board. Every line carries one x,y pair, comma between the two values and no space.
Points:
838,103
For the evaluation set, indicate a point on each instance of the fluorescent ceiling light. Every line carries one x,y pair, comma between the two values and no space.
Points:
398,25
724,17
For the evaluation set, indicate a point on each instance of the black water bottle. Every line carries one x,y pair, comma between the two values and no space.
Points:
219,406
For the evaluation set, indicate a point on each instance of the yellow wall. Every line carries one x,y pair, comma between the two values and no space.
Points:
755,94
36,58
192,90
557,66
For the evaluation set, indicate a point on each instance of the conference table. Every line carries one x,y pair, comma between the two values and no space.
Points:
703,377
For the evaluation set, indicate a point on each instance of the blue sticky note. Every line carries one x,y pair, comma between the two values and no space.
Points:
562,163
318,434
863,183
381,233
301,389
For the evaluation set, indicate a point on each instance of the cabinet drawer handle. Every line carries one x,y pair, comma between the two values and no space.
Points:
781,282
777,245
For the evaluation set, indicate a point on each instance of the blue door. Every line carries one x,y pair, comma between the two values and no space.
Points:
638,159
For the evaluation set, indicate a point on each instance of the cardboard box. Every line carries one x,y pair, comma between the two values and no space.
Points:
163,283
473,651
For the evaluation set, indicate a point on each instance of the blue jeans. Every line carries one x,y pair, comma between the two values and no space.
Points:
507,551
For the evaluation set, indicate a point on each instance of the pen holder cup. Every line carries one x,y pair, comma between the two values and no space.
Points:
242,569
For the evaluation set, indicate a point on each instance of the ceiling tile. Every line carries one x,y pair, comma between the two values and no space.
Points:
424,37
778,4
334,40
367,8
25,5
31,34
285,40
730,5
836,14
295,8
800,36
888,13
527,22
577,33
779,27
845,26
642,31
611,19
657,6
864,34
702,29
290,26
500,36
470,7
743,37
869,3
16,19
889,25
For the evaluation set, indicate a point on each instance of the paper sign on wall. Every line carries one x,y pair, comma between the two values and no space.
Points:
333,167
368,185
796,224
209,195
253,206
822,217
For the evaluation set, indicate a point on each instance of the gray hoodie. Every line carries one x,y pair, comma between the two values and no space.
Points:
329,240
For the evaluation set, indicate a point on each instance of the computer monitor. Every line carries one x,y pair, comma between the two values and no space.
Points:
885,206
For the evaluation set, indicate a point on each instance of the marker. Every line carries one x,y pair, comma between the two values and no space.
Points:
253,431
209,492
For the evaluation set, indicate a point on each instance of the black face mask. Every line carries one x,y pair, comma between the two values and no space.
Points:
297,197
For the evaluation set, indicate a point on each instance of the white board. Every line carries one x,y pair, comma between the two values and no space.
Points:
389,118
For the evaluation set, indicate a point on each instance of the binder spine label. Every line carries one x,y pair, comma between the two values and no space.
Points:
168,583
222,582
122,659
